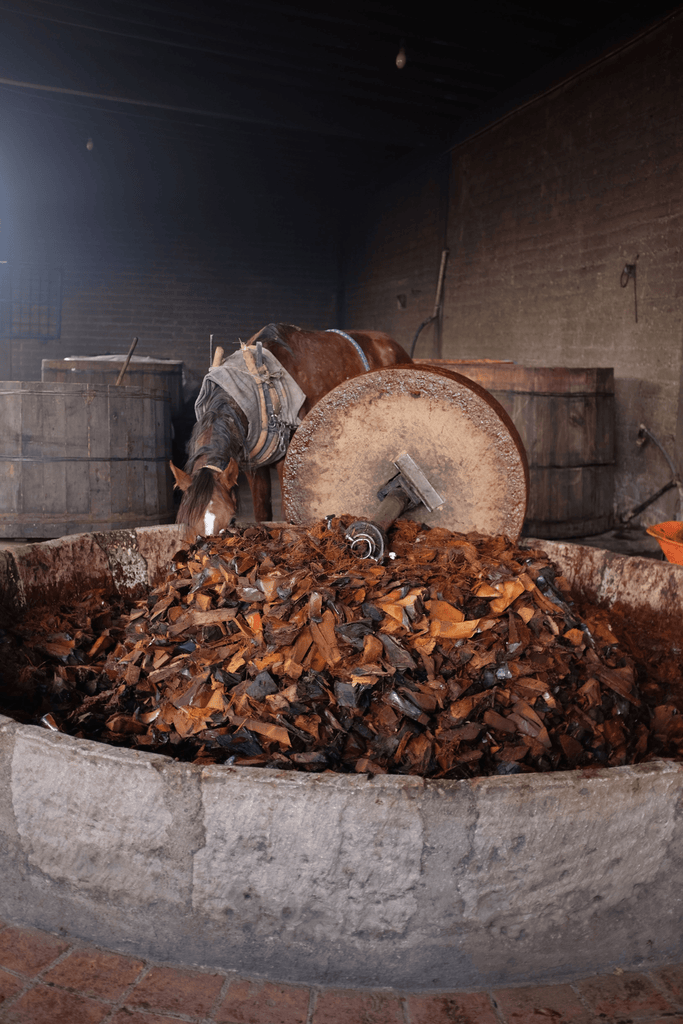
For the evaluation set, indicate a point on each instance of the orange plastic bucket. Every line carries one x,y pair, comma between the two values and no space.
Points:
670,537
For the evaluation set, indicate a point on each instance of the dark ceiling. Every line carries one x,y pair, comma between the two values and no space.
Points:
305,70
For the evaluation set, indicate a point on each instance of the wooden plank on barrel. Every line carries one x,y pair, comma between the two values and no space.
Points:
43,490
94,397
126,426
77,405
44,448
536,380
148,425
77,484
10,442
122,487
41,425
150,466
10,418
569,501
563,430
99,467
123,417
151,485
76,477
103,491
148,489
158,474
10,488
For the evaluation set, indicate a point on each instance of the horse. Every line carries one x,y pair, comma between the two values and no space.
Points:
317,361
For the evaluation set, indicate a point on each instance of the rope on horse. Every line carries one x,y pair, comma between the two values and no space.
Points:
359,350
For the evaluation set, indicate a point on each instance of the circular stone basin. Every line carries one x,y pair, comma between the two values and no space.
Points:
338,879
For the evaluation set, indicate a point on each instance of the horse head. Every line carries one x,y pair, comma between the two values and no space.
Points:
209,501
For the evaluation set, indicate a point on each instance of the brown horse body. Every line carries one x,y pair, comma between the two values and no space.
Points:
318,361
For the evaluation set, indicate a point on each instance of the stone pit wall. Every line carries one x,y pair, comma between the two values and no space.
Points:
337,879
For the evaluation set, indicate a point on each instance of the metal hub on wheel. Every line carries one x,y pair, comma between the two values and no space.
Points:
459,439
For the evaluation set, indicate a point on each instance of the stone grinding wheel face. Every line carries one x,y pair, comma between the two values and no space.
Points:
459,435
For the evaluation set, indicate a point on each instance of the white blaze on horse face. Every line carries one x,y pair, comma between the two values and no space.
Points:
209,520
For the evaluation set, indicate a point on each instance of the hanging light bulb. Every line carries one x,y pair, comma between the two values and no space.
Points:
90,145
401,56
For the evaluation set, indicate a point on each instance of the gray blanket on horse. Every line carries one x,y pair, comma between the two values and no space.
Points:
244,388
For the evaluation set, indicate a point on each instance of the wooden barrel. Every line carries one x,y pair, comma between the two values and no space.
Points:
81,457
143,372
565,417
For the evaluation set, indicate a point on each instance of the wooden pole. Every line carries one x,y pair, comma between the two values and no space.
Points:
125,365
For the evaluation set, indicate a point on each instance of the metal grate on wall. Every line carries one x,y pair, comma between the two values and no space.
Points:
30,301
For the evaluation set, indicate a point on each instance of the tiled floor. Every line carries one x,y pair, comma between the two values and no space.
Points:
45,979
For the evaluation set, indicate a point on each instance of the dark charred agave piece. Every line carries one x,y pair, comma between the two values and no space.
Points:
311,686
261,686
354,632
405,706
397,655
350,696
372,612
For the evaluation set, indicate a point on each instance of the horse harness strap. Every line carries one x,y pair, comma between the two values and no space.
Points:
269,401
359,350
264,402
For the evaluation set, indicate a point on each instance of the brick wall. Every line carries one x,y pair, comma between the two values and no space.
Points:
394,256
545,208
169,241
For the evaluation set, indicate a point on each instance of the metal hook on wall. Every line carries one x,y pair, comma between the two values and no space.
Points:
627,273
646,435
437,301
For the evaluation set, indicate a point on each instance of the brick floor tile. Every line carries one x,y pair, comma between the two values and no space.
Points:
28,951
540,1004
672,979
458,1008
251,1002
344,1006
174,991
94,972
9,986
138,1017
623,994
45,1005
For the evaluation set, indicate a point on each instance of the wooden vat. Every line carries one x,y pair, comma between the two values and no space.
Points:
142,372
565,417
80,457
